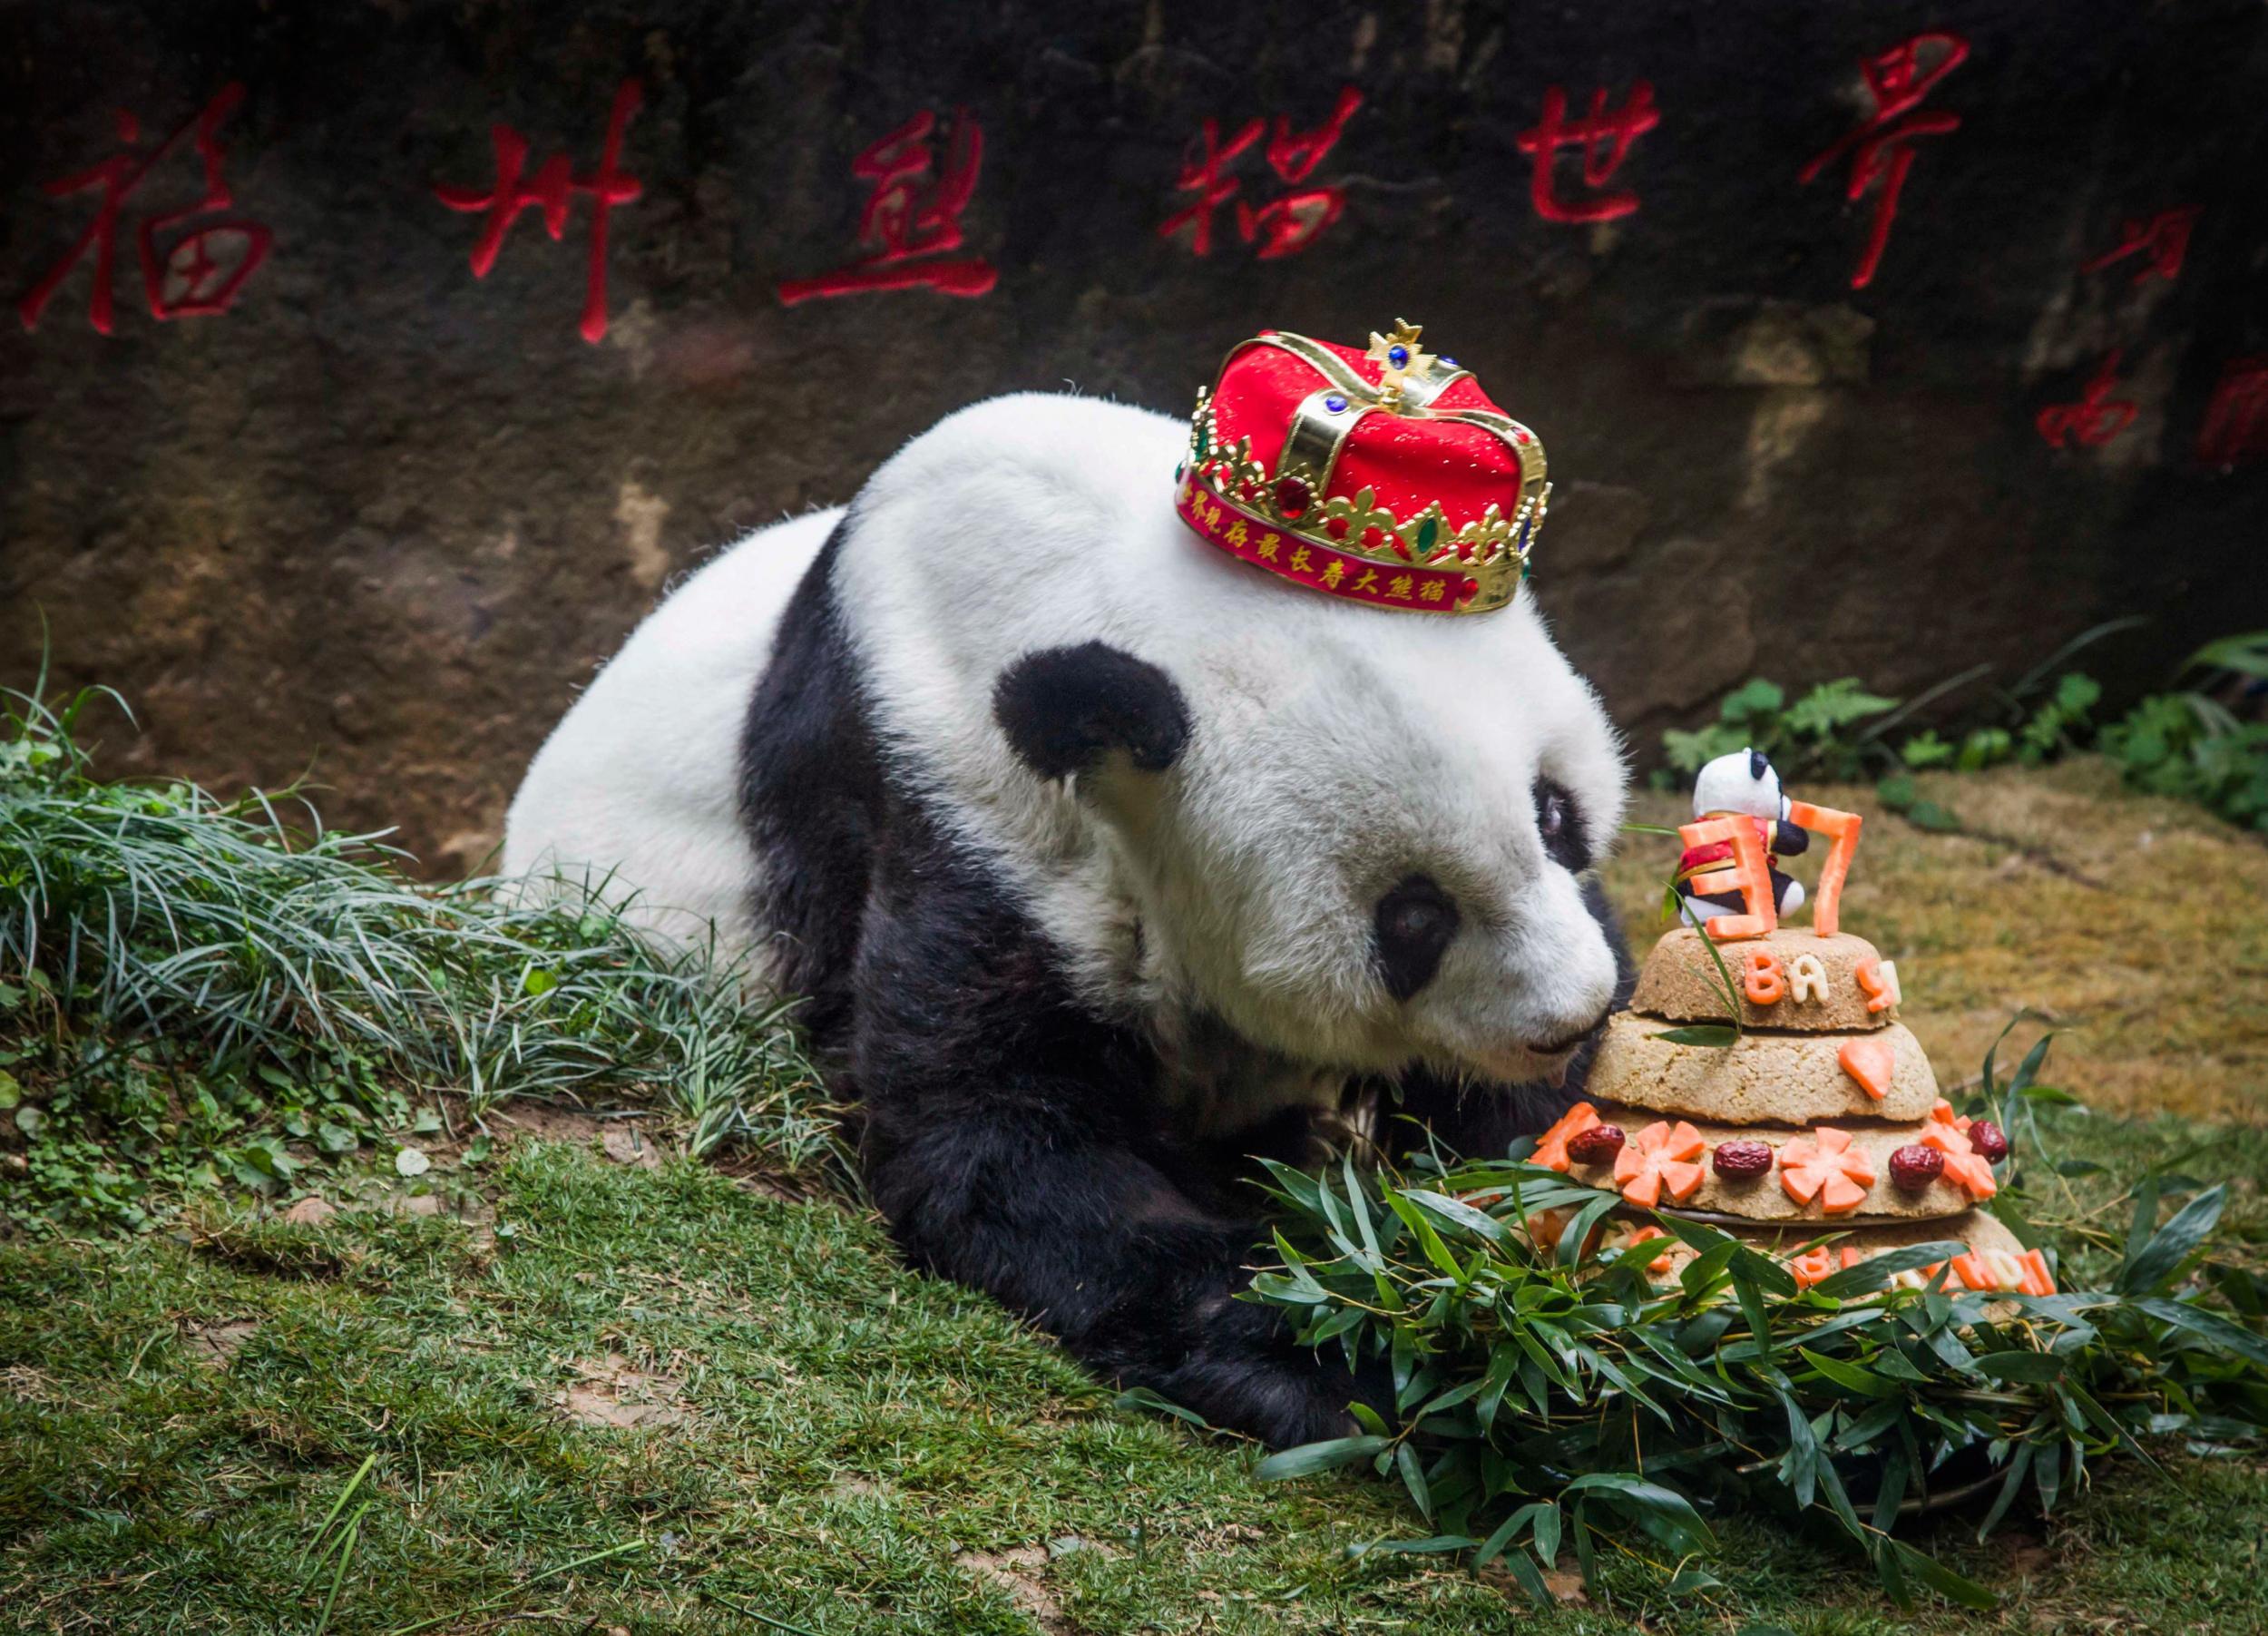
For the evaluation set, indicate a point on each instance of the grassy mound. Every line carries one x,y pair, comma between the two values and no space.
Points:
200,993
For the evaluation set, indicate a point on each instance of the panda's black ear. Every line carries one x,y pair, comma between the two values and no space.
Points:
1063,708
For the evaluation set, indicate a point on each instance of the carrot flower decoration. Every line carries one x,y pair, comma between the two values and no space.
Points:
1660,1158
1825,1166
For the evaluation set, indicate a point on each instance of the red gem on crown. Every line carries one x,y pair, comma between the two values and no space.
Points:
1385,475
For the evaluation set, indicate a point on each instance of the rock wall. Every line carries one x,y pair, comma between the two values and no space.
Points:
319,494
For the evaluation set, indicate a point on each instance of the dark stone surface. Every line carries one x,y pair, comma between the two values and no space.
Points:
380,518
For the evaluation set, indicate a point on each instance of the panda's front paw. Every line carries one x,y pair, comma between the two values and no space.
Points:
1282,1402
1249,1376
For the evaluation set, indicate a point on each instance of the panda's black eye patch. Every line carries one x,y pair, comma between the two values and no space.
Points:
1560,825
1414,925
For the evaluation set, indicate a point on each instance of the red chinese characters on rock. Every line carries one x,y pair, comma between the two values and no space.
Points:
909,223
1882,149
1282,227
2094,420
2161,240
1604,137
2236,419
551,191
196,276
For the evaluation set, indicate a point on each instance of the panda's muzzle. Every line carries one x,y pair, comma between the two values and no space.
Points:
1568,1045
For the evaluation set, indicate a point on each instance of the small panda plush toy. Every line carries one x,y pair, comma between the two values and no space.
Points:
1743,784
1125,799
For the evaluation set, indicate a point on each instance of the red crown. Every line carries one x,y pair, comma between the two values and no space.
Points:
1386,477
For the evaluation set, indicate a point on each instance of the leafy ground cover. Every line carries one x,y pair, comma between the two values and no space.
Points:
2205,742
568,1378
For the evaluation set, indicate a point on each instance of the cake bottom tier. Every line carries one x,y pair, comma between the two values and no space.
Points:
1992,1260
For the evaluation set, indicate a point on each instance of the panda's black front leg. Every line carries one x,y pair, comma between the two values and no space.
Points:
1014,1143
1098,1245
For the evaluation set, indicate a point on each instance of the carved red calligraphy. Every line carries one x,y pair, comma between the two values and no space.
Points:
2161,240
2236,419
1281,227
551,191
911,223
1603,136
2094,420
197,275
1881,148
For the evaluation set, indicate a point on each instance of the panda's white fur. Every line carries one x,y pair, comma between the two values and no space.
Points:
1336,747
1084,842
637,791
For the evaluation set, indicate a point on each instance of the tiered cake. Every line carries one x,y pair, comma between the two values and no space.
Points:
1821,1116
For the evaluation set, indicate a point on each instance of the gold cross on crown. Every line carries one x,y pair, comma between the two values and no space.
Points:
1398,357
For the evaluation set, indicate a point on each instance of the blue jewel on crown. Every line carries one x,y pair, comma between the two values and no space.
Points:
1398,357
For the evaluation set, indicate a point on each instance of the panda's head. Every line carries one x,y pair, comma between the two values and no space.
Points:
1744,782
1356,836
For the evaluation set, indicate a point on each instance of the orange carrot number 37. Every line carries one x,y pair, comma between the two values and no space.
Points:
1750,874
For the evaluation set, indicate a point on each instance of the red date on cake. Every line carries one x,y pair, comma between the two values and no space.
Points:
1742,1160
1914,1167
1596,1145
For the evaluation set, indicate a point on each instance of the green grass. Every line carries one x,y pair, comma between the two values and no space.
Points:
852,1432
208,1424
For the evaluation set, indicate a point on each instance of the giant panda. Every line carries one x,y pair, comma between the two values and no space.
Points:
1103,863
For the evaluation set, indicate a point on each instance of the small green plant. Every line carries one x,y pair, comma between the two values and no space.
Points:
2190,743
1807,737
1548,1392
202,993
2193,745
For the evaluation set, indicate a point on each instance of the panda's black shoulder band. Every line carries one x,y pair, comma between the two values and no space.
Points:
1063,708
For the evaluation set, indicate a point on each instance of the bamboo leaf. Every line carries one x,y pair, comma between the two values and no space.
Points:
1309,1458
1142,1398
1940,1579
1850,1377
1506,1530
2172,1243
1715,1037
1458,1212
1433,1546
1406,1459
2020,1366
2208,1325
1577,1232
1872,1273
1665,1512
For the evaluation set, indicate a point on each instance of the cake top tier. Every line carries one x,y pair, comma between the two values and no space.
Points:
1789,978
